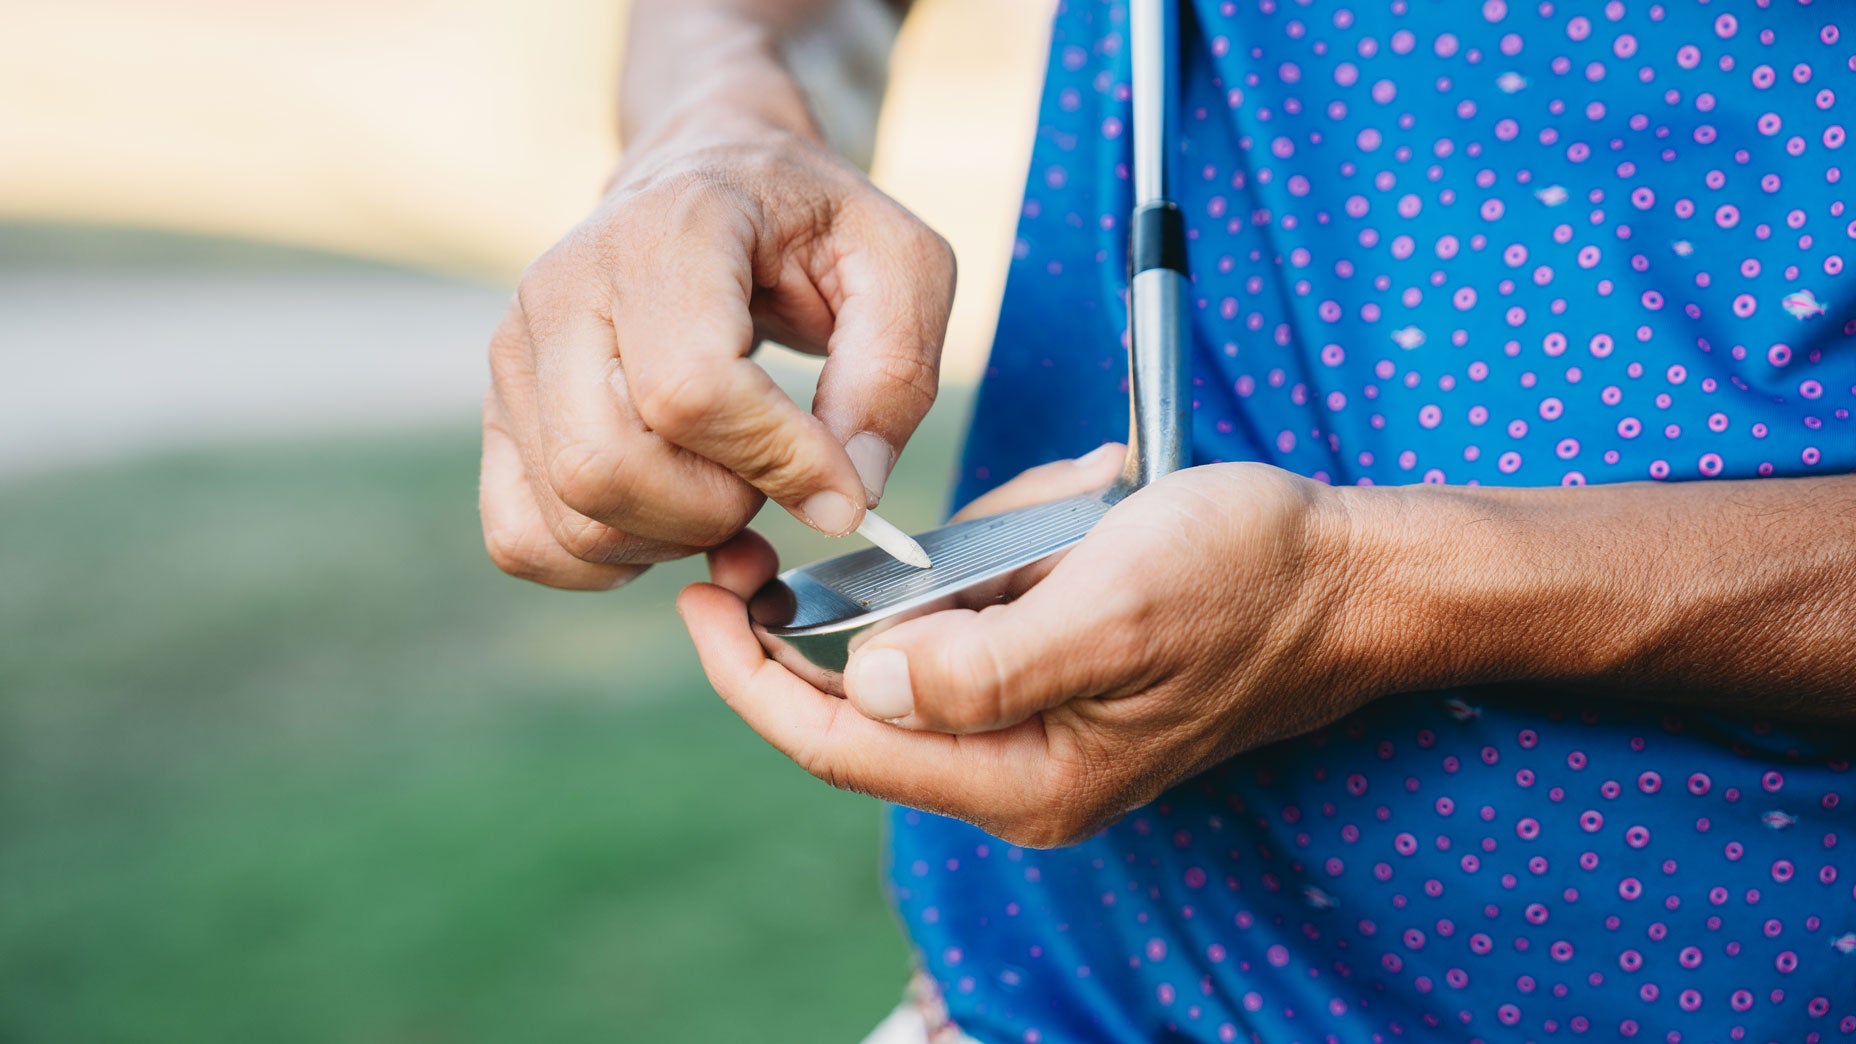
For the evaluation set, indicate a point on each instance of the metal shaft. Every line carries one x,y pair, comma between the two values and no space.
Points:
1159,334
1153,39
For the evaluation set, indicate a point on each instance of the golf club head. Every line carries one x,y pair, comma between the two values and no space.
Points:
810,619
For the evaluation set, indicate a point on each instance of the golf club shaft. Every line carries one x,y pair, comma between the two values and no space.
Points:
1159,339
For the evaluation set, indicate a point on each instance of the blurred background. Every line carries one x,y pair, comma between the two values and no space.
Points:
282,757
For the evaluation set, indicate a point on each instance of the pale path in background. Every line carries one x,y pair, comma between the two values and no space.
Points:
117,358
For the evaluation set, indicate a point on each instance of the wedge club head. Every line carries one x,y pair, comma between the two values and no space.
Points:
812,619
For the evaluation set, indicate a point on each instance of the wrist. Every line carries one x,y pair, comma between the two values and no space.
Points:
1428,601
1460,586
1366,584
740,86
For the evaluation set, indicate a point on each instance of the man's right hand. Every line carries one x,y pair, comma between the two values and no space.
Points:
626,423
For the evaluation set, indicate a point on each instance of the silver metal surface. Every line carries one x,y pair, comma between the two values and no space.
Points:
1153,36
964,554
811,619
1159,377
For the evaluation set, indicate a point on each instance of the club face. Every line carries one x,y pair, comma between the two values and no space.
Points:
810,619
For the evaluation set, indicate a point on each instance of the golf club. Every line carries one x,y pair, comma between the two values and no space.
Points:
811,618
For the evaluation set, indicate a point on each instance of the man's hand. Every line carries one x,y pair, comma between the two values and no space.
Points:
626,423
1233,605
1193,623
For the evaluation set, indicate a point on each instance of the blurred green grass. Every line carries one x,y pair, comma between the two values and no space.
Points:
282,758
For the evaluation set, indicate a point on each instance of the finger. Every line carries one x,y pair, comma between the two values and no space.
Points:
1089,473
684,331
1047,482
518,538
601,460
982,779
510,408
743,564
791,312
892,298
965,671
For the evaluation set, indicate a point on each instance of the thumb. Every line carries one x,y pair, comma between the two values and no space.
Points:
1090,473
963,671
1056,480
883,361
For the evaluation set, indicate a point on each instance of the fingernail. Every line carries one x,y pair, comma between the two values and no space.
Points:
830,513
878,681
1098,455
874,458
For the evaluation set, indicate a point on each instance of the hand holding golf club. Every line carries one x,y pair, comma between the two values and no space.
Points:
1197,620
627,423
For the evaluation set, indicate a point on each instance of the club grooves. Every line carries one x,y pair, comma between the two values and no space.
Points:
962,554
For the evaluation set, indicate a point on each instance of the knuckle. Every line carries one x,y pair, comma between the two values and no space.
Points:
578,270
951,715
1136,617
918,377
589,541
723,523
989,680
713,528
514,551
693,205
680,399
625,509
693,195
767,460
586,477
934,252
925,255
973,709
548,281
1127,612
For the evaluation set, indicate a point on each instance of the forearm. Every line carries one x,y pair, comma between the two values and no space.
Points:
1737,595
700,64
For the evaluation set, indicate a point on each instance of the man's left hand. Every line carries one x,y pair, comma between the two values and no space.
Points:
1199,619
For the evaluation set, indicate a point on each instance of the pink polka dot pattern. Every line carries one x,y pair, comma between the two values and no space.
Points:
1548,247
1491,872
1521,242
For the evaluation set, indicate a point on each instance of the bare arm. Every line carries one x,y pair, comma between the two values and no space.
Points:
1736,595
757,57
